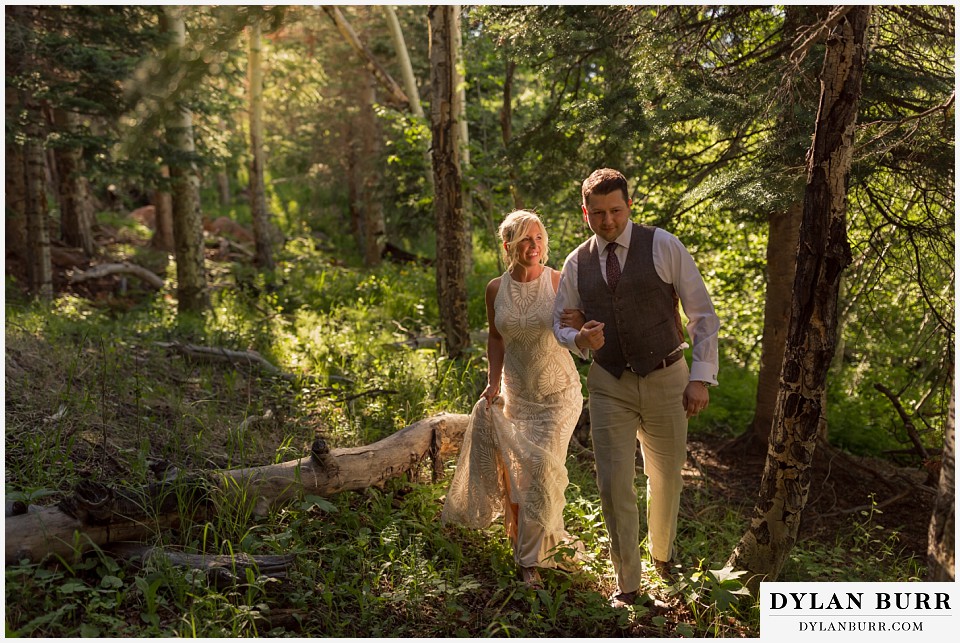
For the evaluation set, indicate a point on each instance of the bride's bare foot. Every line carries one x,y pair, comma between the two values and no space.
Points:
531,577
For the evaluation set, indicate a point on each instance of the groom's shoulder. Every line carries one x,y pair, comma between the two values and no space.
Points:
572,255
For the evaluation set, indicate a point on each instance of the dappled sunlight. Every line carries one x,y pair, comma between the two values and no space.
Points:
219,336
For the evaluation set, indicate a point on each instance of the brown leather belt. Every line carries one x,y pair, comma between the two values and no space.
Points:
669,360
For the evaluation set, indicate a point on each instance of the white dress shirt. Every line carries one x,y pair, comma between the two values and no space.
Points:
675,266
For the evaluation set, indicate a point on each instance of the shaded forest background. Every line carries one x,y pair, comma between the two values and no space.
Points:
320,185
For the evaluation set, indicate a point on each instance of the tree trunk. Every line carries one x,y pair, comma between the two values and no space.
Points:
15,194
823,253
448,203
351,158
223,187
192,294
461,87
506,130
461,111
784,234
36,250
406,69
163,215
221,570
15,187
409,80
40,269
941,552
98,515
258,200
795,115
372,232
76,209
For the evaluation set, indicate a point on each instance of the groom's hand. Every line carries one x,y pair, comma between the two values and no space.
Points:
590,335
696,397
572,318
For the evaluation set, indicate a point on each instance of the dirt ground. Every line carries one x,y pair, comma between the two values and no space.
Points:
842,486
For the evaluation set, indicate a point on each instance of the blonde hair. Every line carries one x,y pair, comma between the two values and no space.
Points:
512,231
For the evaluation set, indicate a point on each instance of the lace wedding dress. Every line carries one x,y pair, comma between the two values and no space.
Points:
513,458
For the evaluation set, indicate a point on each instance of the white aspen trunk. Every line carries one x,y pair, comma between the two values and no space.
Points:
409,80
461,111
461,90
192,293
452,238
394,92
822,254
941,543
406,69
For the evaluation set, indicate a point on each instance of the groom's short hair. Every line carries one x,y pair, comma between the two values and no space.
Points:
604,181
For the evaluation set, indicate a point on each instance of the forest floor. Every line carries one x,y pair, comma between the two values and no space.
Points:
843,488
846,492
720,475
899,499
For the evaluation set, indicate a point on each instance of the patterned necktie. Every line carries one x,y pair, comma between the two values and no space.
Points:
613,265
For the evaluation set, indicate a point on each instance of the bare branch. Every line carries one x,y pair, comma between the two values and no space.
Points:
907,422
216,353
816,33
375,68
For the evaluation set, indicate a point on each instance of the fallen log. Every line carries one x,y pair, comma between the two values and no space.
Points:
44,531
124,267
351,469
97,516
221,570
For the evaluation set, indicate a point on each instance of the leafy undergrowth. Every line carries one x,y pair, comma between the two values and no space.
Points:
95,392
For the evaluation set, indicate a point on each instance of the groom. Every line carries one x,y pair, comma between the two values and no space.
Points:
628,279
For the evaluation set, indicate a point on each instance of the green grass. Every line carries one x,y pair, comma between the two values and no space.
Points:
92,395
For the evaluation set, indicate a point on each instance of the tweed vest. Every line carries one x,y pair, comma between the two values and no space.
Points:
641,317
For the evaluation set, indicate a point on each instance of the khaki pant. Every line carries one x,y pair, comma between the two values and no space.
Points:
621,410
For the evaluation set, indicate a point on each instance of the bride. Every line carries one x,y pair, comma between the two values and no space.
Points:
513,458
